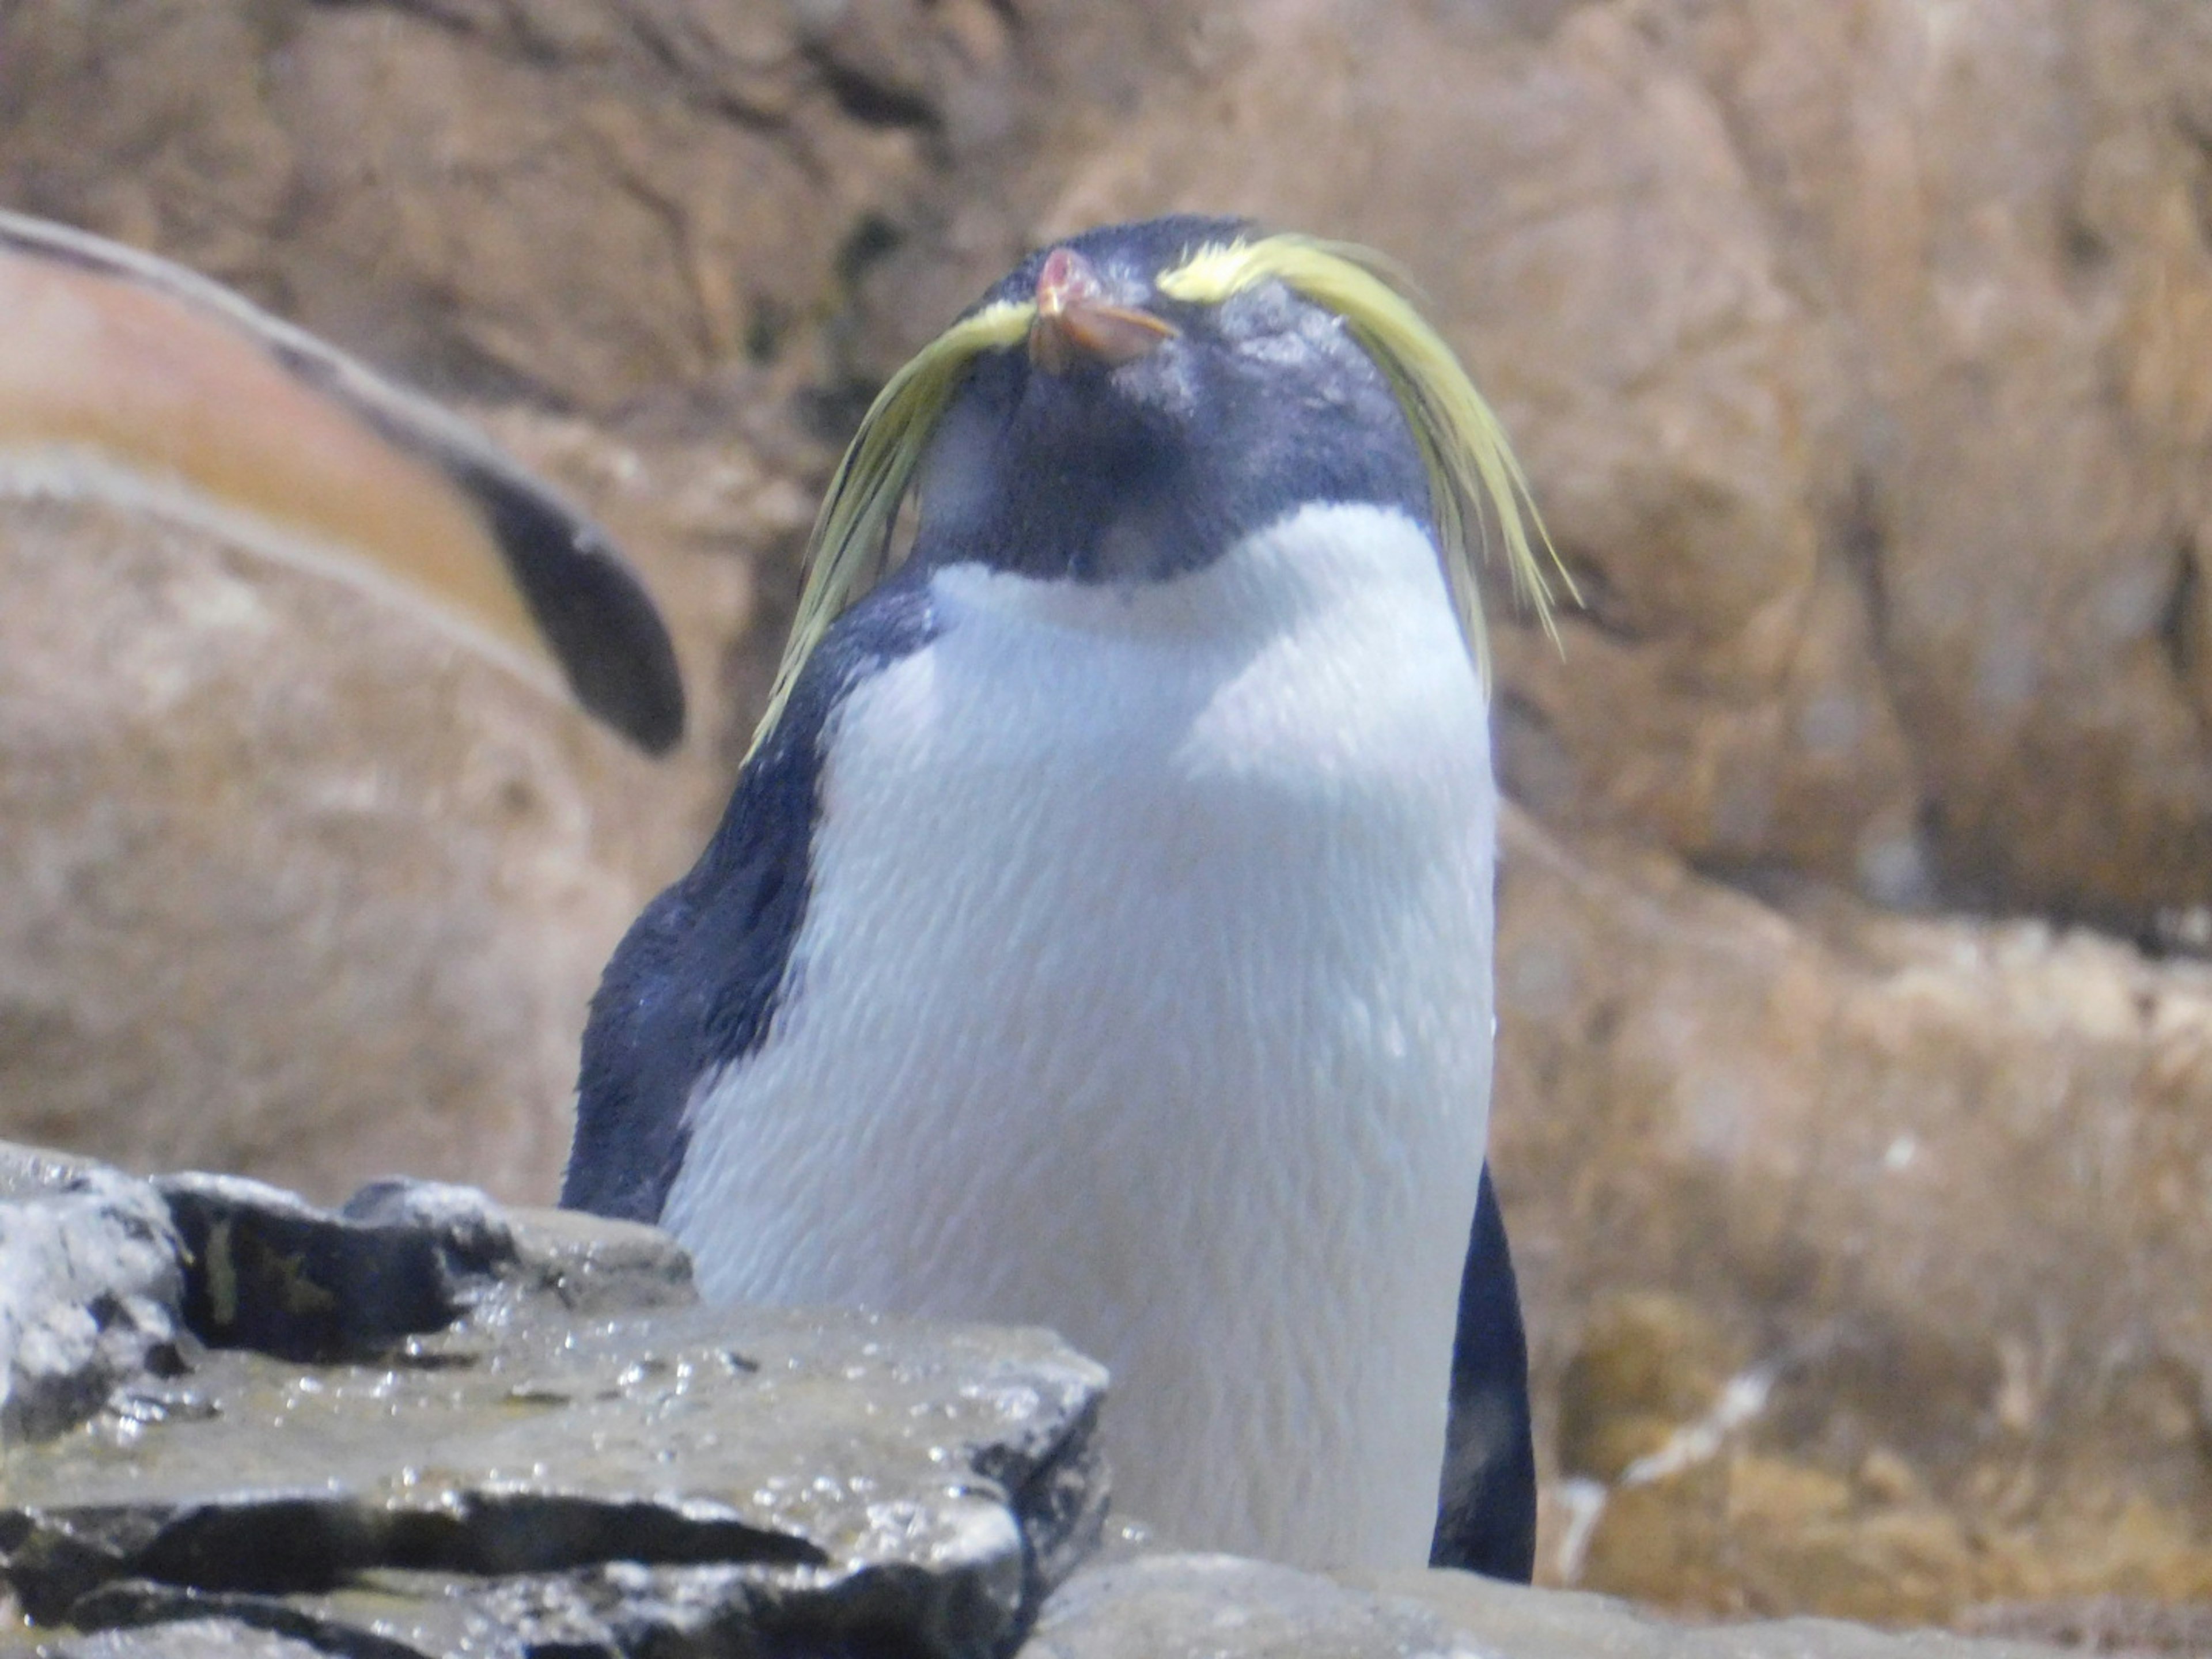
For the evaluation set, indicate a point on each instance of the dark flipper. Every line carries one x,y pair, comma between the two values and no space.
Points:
696,984
1486,1509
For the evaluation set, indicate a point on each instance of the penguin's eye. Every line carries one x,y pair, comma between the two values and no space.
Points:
1475,483
1265,313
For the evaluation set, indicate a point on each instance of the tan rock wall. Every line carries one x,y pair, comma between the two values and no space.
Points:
1858,350
1932,1191
286,885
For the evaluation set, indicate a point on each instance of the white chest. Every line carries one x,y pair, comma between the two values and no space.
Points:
1144,992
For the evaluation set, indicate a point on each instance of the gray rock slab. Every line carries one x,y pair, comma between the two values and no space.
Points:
90,1287
1512,1621
588,1265
271,1272
1215,1607
604,1482
1222,1607
32,1171
195,1638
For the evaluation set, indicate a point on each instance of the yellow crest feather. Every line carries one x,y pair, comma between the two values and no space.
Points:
851,541
1473,475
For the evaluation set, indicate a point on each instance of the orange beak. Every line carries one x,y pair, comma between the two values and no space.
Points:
1076,327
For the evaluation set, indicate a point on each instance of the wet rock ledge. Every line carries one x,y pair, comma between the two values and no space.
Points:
423,1426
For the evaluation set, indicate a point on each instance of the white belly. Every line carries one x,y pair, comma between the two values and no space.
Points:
1145,993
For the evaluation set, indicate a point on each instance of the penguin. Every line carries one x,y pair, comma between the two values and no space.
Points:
1100,934
123,376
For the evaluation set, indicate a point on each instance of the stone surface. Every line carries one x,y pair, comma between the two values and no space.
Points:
1865,1253
2124,1624
90,1294
1853,346
1216,1606
266,1270
590,199
291,882
1509,1619
587,1264
296,882
1165,1606
37,1171
2002,206
190,1638
780,1471
425,1425
274,1273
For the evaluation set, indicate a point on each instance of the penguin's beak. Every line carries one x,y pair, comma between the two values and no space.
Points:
1076,328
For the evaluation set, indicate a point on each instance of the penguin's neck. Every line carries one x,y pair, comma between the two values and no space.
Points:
1143,991
1314,649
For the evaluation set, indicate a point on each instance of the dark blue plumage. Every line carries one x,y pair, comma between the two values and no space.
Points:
695,983
1165,463
1486,1510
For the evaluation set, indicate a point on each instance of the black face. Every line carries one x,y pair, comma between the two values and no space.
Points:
1257,407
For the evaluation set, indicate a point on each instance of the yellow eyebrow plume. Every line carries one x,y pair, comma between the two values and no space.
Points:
851,542
1473,475
1474,478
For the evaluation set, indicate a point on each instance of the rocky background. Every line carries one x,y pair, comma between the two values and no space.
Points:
1854,1111
427,1426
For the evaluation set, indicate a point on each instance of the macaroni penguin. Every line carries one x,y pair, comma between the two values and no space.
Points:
1100,934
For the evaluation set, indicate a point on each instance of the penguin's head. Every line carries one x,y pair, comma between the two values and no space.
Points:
1125,406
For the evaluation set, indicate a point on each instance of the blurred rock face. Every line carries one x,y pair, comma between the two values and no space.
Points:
1885,1240
1856,350
588,199
290,881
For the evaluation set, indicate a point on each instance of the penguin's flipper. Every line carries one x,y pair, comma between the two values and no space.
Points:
1486,1510
125,377
695,985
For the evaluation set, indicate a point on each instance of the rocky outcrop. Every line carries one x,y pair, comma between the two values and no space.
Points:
290,882
295,879
1882,1234
238,872
1213,1607
1855,348
424,1427
590,200
90,1287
